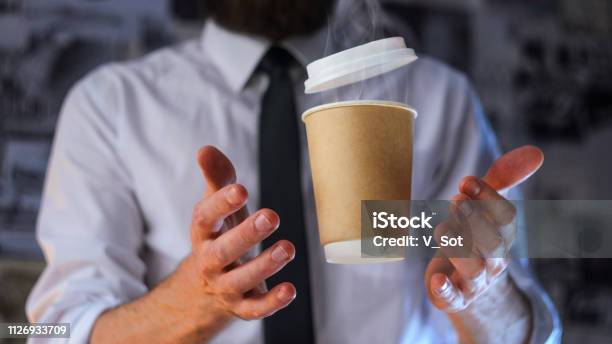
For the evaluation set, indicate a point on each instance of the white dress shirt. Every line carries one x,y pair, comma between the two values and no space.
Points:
123,180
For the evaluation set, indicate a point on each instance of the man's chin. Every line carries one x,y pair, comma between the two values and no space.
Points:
272,19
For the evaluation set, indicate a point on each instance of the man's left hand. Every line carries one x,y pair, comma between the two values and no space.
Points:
472,287
482,214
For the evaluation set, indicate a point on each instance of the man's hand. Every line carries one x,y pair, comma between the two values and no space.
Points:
213,284
481,300
458,280
221,233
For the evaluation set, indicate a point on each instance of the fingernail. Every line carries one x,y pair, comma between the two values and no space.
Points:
472,187
279,254
285,295
454,300
445,290
262,224
233,195
466,208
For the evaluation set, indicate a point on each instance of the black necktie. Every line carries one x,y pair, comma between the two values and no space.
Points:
281,190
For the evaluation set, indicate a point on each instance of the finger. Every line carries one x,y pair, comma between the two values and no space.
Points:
452,240
209,214
514,167
217,169
439,263
487,238
234,243
500,210
444,295
473,273
263,305
248,276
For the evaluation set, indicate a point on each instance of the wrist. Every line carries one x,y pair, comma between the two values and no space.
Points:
500,314
179,298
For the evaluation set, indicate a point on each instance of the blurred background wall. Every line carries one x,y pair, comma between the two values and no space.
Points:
543,69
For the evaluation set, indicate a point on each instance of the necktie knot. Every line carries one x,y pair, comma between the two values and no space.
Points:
276,61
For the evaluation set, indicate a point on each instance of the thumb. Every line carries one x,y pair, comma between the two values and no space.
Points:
514,167
216,168
218,171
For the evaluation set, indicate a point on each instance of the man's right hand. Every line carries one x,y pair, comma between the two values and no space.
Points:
221,233
212,285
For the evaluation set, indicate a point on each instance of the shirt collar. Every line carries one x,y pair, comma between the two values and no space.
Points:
237,55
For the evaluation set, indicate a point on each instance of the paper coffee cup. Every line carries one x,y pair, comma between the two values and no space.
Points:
359,150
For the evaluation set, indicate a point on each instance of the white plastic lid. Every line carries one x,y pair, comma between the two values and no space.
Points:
358,64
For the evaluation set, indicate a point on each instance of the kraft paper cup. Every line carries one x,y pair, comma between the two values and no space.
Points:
359,150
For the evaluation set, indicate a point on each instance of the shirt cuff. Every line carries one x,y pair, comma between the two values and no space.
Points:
546,326
81,320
